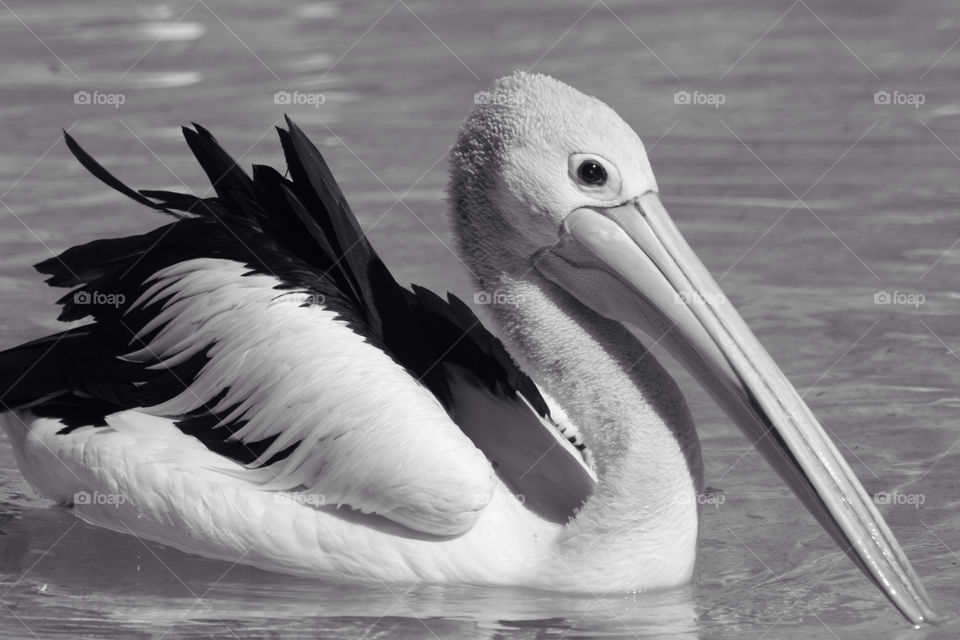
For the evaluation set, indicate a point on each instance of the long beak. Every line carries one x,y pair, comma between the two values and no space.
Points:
630,263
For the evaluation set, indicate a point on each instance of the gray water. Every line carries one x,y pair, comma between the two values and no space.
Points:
798,120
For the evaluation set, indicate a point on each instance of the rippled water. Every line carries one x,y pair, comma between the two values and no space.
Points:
798,121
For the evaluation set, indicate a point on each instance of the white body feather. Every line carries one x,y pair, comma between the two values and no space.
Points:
301,374
141,475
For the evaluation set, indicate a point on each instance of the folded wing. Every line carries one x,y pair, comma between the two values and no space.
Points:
263,322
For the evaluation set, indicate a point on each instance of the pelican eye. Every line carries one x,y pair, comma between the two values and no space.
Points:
594,175
592,172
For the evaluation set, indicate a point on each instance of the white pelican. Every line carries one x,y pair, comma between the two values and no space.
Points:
253,385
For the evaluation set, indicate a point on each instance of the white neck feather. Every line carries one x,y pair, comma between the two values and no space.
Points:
633,418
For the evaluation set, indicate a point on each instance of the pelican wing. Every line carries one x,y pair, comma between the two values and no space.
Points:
264,323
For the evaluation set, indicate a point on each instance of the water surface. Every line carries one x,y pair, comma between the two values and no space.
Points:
799,191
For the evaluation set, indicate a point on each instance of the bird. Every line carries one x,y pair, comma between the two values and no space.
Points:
249,382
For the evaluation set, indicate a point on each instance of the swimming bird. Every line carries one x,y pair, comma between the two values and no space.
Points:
251,383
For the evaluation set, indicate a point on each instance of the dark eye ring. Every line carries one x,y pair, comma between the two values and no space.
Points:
592,172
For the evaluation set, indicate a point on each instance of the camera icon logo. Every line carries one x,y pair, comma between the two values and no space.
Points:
882,297
681,97
481,97
282,97
81,497
482,297
81,297
81,97
881,97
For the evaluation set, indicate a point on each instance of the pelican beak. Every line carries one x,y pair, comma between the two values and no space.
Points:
630,263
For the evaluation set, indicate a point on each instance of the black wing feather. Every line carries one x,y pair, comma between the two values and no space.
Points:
226,177
299,229
105,176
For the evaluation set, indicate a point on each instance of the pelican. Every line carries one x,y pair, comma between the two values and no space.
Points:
250,383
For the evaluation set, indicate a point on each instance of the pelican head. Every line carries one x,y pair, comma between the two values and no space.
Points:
531,153
548,182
